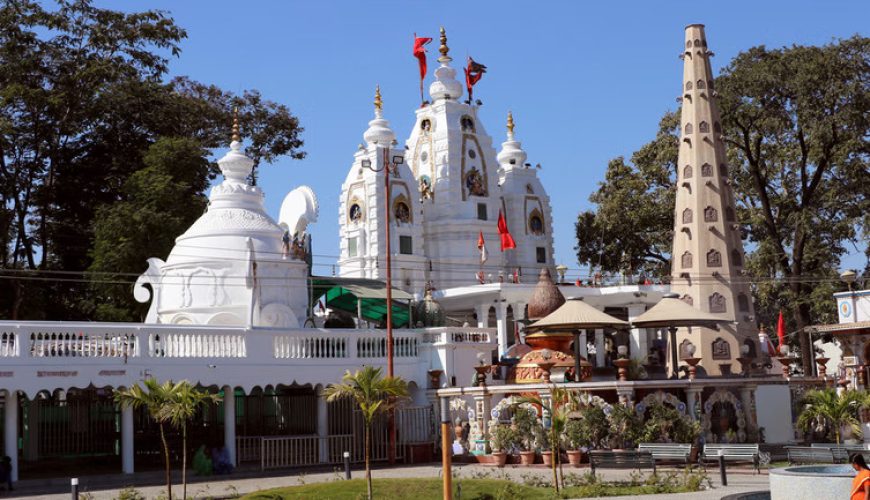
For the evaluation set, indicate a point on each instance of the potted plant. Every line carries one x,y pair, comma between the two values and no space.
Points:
526,424
624,427
501,438
665,424
574,441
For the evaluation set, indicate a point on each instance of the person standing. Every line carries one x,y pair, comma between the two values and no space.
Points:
861,483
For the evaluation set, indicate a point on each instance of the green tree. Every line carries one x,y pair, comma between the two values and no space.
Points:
156,398
796,124
824,408
160,202
373,394
184,403
556,406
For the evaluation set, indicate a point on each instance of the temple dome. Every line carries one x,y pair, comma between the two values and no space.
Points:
546,298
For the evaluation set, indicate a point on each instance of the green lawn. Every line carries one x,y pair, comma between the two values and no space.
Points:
426,489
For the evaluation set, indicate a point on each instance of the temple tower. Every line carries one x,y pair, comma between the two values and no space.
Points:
527,210
362,218
707,259
455,166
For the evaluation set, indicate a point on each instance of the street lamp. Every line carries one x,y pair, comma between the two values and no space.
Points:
561,269
849,276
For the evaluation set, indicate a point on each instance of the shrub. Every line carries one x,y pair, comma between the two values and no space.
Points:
526,424
625,426
667,425
501,437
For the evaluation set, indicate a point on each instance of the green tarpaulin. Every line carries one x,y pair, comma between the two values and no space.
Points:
345,293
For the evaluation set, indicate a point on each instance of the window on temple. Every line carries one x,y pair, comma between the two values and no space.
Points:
714,258
688,44
536,223
467,124
426,125
687,172
355,214
697,43
686,259
743,303
706,170
687,216
406,246
711,215
402,212
481,211
688,85
472,154
721,349
736,258
703,127
717,303
541,254
701,84
351,247
688,129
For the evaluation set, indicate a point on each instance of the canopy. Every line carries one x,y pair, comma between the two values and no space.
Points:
577,315
346,294
673,312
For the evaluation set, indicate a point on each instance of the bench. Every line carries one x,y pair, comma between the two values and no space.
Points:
809,455
842,452
732,453
604,459
668,451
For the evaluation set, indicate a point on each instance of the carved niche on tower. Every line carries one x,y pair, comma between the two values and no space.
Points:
717,303
687,172
686,259
706,170
714,258
687,216
721,349
711,214
687,349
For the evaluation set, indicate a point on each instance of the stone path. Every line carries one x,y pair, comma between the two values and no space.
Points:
150,483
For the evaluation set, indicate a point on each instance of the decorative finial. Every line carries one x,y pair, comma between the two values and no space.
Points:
443,49
237,137
379,103
510,124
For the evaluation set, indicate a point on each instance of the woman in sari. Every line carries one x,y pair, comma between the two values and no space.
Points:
861,483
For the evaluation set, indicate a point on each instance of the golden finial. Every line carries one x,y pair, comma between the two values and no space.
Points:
237,137
510,124
443,49
379,103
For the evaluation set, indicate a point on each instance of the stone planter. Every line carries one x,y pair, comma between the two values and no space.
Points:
548,457
575,457
499,458
527,457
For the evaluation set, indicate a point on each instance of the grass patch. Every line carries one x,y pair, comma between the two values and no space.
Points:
472,489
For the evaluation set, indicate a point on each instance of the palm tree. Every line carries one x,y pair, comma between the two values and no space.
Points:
182,406
557,406
373,394
155,400
824,407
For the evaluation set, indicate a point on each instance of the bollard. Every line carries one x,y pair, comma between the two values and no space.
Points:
347,465
74,487
722,473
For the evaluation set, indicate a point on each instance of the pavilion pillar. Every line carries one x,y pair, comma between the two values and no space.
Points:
638,345
693,395
626,396
323,426
10,430
31,451
747,397
482,408
127,451
519,327
599,348
482,311
501,327
230,423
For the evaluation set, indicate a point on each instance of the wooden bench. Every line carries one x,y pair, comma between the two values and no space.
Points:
842,452
732,453
809,455
605,459
668,451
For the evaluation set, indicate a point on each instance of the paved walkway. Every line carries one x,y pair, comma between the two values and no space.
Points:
151,485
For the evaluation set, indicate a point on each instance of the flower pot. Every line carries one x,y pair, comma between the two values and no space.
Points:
527,457
499,458
548,457
575,457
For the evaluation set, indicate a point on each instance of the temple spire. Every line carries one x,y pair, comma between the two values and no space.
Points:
443,49
237,137
379,103
510,126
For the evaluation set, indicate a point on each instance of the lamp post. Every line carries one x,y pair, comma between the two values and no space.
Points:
388,167
622,362
561,269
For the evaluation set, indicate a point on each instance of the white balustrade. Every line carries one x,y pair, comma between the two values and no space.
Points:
8,345
189,345
87,345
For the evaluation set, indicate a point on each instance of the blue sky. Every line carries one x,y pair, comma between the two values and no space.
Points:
586,81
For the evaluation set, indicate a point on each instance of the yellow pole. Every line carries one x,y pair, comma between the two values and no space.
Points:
446,450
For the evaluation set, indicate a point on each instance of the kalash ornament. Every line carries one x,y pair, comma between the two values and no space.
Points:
550,358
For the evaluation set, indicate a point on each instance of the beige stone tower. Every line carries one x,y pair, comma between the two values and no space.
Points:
707,250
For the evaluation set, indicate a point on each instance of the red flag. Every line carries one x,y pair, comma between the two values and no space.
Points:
481,245
780,331
507,241
473,73
420,53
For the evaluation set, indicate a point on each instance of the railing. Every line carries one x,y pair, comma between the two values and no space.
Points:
248,449
415,424
129,341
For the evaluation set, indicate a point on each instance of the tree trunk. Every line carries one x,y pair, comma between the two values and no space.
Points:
184,461
368,451
166,460
801,317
